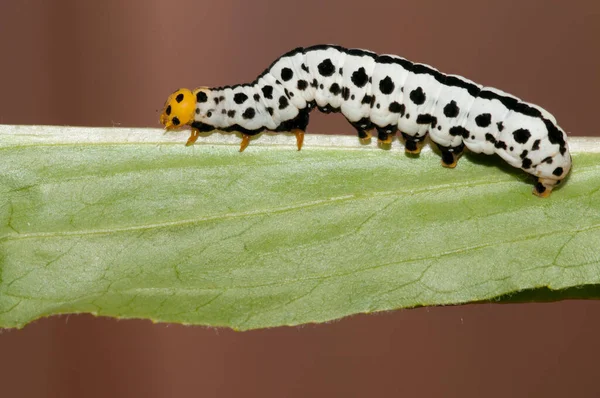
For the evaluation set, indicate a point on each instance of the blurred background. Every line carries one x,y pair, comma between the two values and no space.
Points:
114,62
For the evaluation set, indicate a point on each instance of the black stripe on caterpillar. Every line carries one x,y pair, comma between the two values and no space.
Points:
383,92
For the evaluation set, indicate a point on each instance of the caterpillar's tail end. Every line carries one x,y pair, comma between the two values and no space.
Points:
543,188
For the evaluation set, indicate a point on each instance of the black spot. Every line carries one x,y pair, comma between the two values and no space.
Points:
314,83
175,121
451,109
511,148
408,115
345,93
555,136
521,136
249,113
523,154
231,113
198,111
526,163
500,145
287,94
267,92
321,86
341,71
335,89
179,98
483,120
386,86
283,102
302,85
168,110
208,114
270,110
223,111
352,97
239,98
201,96
304,68
216,101
256,97
378,106
286,74
366,99
326,68
439,127
359,78
395,107
547,160
558,171
458,130
222,98
277,82
370,79
428,119
418,96
536,145
500,126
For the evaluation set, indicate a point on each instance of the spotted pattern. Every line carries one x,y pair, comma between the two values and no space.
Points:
360,78
322,82
521,136
286,74
240,98
201,97
483,120
326,68
417,96
386,86
451,110
267,92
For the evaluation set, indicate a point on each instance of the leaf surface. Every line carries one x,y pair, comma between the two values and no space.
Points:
130,223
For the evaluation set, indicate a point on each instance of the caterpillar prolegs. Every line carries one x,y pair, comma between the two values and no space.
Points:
386,93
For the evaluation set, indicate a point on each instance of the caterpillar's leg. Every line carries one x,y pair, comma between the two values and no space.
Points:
245,142
193,137
543,187
299,137
413,145
364,137
298,125
385,135
450,155
363,128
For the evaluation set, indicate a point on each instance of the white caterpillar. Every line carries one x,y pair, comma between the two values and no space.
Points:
387,93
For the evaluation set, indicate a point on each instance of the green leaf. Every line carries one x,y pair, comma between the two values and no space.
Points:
130,223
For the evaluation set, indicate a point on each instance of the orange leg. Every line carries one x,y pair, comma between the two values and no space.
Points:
245,142
450,156
299,137
193,137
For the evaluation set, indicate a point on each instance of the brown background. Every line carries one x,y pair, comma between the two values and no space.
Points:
105,63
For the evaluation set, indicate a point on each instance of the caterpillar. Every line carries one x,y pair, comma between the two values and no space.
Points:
385,93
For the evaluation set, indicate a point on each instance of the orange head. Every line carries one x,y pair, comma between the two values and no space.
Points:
179,109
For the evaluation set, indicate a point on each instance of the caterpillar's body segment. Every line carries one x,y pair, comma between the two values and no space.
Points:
386,93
